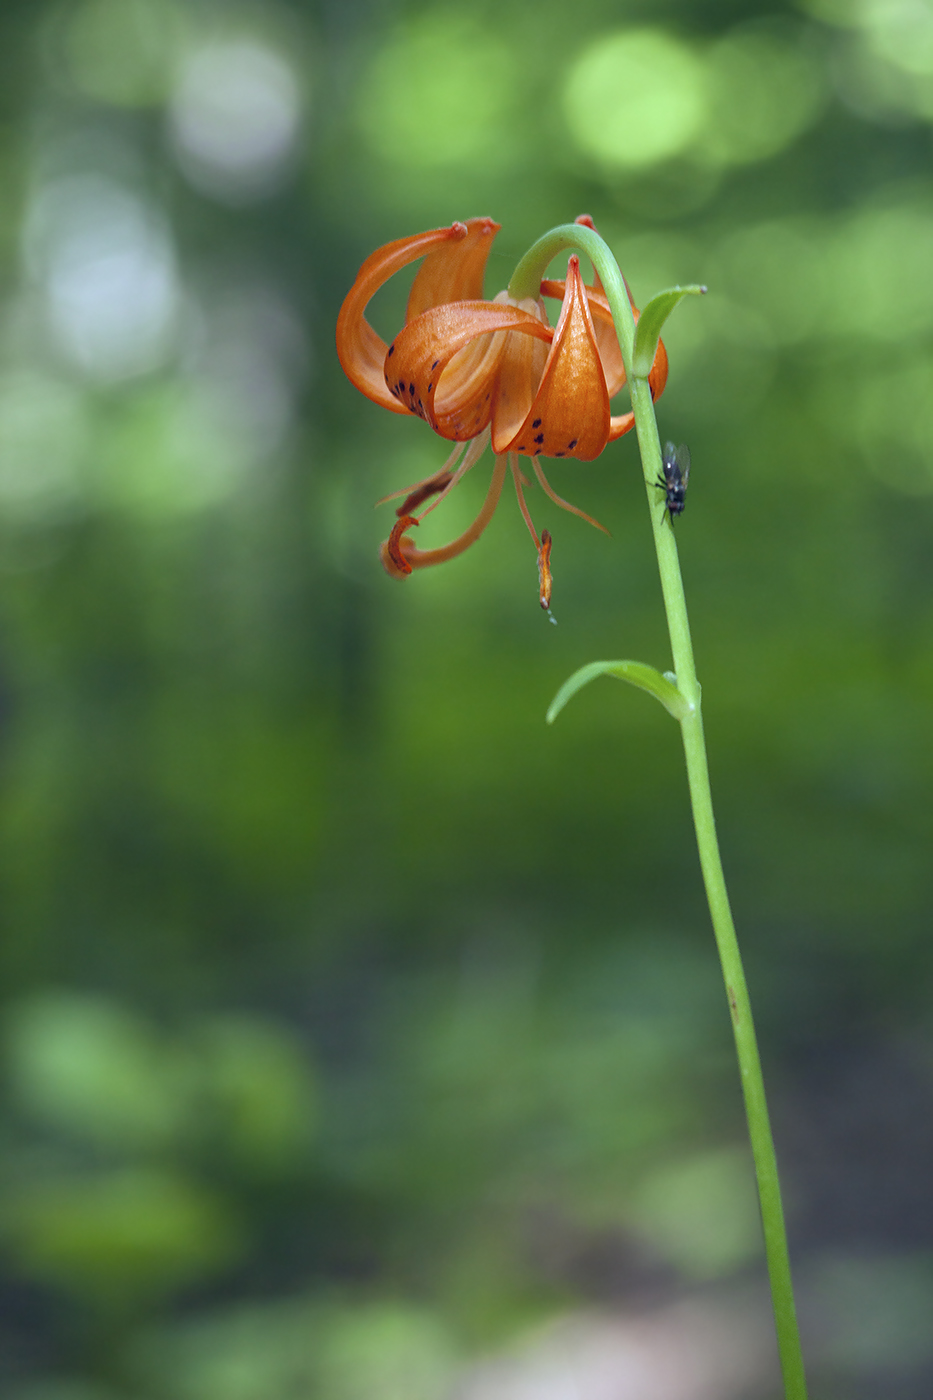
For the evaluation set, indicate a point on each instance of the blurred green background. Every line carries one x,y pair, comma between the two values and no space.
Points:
360,1033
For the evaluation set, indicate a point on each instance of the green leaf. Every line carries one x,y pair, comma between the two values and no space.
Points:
648,329
636,673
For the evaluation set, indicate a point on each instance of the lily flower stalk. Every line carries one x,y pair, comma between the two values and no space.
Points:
487,373
496,372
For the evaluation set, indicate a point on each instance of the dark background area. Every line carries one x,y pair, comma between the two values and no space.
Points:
362,1036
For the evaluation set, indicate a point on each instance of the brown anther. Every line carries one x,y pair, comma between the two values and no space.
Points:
544,568
423,492
393,545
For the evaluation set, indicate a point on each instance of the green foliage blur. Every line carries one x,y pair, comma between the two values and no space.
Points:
355,1025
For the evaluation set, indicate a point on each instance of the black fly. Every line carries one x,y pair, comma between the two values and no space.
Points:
675,466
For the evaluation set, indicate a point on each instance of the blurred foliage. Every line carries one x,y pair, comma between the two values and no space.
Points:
353,1020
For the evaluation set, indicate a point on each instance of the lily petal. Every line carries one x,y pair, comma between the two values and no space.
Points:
453,272
360,350
657,379
607,341
620,424
522,368
609,353
570,413
457,404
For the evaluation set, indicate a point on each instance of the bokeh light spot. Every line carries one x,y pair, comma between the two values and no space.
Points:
635,98
236,118
764,91
883,69
91,1067
887,417
106,265
879,271
43,436
438,95
247,359
901,31
168,455
777,270
701,1212
123,51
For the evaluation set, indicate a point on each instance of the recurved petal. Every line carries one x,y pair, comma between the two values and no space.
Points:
400,554
657,377
570,413
360,350
607,340
621,423
455,395
624,422
453,272
521,370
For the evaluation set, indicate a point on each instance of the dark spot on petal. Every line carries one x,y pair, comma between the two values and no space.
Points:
411,390
435,364
391,351
559,454
571,445
536,423
430,387
520,447
540,436
537,452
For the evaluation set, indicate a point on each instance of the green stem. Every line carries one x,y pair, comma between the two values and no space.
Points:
753,1089
528,272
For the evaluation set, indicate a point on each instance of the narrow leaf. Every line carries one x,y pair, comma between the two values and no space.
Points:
636,673
650,322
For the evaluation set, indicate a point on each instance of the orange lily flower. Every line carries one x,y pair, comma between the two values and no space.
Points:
482,372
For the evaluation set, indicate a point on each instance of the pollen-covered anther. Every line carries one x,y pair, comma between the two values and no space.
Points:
392,551
545,580
424,492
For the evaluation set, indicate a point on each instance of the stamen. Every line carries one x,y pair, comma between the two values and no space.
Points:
517,478
393,545
440,482
544,569
433,481
420,559
474,452
559,500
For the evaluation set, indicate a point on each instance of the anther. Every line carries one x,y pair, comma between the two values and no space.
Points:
544,569
423,493
393,544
